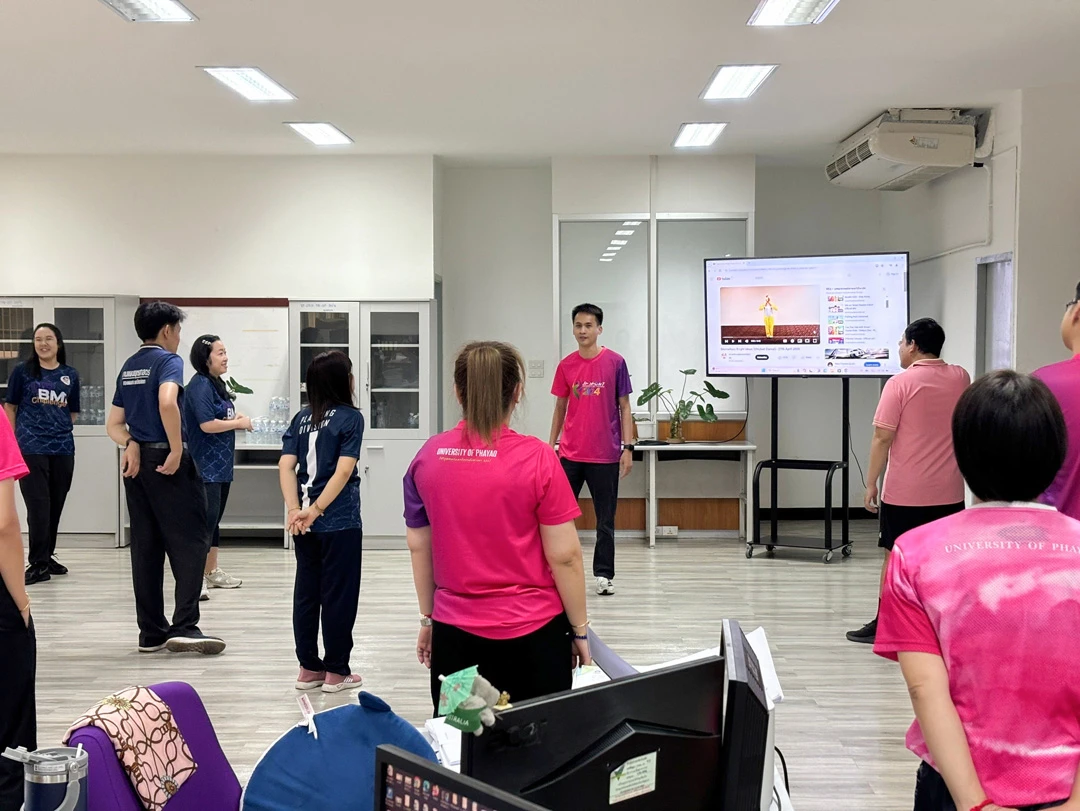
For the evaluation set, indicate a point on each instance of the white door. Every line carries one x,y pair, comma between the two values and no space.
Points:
396,393
383,465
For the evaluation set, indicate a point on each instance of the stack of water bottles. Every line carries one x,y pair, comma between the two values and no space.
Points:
270,430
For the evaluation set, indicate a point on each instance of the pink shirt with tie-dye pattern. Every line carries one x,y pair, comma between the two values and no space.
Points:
995,591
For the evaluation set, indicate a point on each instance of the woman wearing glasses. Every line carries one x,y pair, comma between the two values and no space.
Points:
42,404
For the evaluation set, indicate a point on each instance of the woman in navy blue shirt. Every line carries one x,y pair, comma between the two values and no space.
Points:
210,423
42,404
322,492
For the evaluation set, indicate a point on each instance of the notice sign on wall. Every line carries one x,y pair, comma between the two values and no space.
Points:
633,779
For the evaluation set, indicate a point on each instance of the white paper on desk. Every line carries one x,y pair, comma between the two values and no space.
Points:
760,643
446,740
587,676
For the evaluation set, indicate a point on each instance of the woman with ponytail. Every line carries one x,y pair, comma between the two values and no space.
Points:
495,554
210,423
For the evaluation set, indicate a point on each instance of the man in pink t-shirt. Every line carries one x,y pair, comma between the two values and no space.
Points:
913,433
982,610
1064,381
592,415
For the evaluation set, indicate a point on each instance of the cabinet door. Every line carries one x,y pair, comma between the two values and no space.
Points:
87,325
396,394
382,467
316,327
18,316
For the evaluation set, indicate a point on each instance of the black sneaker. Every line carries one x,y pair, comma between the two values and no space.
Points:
56,567
36,574
867,634
197,642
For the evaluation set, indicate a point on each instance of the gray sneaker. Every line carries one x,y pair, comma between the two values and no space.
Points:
218,579
204,595
604,586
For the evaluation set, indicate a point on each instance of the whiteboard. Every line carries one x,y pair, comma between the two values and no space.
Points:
257,340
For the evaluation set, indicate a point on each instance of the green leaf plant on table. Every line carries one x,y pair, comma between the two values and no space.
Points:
237,388
682,408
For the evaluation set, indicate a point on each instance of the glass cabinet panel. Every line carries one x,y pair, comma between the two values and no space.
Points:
321,331
81,323
84,341
16,341
395,370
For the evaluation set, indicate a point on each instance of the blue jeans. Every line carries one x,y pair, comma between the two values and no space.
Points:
931,793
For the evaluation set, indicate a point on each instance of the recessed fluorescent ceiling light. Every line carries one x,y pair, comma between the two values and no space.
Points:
610,254
151,11
613,248
251,83
792,12
737,81
632,222
606,260
698,135
322,134
619,242
624,233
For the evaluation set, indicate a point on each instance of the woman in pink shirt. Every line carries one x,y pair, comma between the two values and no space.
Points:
982,610
495,553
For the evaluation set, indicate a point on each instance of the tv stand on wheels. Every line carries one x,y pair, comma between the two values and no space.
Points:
775,464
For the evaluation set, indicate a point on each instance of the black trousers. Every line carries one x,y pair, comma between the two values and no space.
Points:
932,794
530,666
327,588
168,519
45,489
18,714
217,496
603,481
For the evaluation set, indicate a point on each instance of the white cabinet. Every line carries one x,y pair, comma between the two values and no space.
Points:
397,395
316,327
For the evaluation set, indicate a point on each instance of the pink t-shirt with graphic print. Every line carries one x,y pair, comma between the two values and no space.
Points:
592,386
995,591
1064,381
918,405
485,506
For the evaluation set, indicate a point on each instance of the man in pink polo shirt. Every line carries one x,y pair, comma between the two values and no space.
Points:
1063,379
592,414
913,433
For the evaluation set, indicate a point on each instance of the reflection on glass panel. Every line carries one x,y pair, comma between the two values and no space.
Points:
16,323
619,287
308,354
11,355
89,361
390,410
81,323
395,328
324,328
395,368
682,247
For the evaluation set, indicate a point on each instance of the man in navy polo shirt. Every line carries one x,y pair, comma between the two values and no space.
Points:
165,495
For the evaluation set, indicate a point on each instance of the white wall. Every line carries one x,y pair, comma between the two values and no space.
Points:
320,227
1048,234
800,213
496,265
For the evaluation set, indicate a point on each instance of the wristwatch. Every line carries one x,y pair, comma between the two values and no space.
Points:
629,446
425,622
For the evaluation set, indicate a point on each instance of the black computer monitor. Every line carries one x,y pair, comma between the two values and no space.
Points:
405,782
643,742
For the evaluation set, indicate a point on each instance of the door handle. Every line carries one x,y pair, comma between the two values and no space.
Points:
376,448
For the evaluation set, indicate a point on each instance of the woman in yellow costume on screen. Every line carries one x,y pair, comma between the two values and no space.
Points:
770,311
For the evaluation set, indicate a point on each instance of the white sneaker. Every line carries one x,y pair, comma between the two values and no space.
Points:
218,579
604,586
204,595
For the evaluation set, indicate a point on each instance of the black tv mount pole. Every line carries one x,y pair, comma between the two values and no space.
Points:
775,464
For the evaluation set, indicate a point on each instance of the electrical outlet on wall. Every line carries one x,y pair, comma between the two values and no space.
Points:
536,368
667,532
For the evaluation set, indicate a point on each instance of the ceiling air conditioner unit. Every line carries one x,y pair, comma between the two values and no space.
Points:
904,148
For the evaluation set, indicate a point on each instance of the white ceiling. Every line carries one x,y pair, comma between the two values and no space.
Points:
506,79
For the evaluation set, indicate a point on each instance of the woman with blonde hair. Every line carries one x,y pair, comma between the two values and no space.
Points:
495,554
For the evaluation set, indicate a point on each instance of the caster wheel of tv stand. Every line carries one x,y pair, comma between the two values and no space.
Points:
827,558
846,552
749,551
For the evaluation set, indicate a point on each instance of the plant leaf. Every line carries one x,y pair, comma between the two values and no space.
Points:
715,392
238,388
688,372
702,413
648,394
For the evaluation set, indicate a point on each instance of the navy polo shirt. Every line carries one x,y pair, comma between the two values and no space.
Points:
137,391
213,453
45,406
317,448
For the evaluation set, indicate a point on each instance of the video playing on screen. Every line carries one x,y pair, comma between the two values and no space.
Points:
806,315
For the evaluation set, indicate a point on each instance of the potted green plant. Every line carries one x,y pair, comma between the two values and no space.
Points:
684,406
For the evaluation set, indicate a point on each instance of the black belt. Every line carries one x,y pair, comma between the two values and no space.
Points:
159,446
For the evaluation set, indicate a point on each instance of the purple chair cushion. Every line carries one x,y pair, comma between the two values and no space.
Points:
213,787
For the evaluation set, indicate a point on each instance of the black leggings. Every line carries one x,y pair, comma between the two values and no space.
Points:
530,666
18,715
217,496
44,490
931,793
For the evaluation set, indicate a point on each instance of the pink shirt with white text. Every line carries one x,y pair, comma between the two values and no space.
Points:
592,387
995,591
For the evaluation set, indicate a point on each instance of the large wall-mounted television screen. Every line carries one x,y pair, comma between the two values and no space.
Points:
806,316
